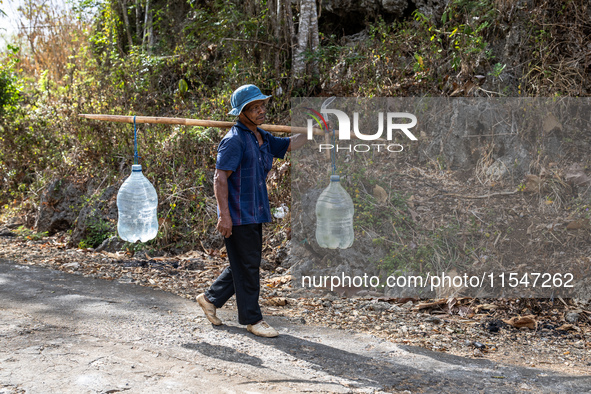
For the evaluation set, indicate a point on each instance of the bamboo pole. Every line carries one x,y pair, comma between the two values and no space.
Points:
206,123
195,122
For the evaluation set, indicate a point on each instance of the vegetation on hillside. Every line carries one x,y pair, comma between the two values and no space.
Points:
184,58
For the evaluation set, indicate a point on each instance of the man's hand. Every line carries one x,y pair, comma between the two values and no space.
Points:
225,226
297,141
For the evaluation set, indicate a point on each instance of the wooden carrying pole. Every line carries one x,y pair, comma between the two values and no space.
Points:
195,122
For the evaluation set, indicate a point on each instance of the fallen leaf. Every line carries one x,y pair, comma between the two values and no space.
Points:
380,194
533,183
276,301
193,254
486,307
566,327
281,280
162,258
116,255
519,322
551,123
578,224
426,305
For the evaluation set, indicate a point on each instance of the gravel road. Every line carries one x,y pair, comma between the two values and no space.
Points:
64,333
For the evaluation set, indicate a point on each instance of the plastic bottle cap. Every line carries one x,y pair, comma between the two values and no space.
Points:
136,168
335,178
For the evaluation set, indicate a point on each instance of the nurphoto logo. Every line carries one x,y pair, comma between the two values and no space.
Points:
344,126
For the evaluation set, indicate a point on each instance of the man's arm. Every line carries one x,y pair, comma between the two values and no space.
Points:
297,141
220,188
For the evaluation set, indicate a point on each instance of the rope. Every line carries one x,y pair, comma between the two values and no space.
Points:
333,155
135,154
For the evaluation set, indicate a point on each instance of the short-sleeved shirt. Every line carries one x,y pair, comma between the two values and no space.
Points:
239,151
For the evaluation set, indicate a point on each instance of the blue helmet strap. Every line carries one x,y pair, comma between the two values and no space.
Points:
250,119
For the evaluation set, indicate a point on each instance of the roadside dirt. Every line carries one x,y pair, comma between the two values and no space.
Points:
555,334
68,333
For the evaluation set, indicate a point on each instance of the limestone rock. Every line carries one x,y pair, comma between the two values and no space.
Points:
431,8
112,244
345,8
59,206
99,215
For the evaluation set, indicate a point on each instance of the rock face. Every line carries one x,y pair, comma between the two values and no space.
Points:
97,219
59,206
91,214
431,8
344,8
396,8
112,244
491,137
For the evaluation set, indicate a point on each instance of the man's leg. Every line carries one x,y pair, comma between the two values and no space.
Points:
221,289
216,296
244,249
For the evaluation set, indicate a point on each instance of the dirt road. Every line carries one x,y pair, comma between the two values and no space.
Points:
63,333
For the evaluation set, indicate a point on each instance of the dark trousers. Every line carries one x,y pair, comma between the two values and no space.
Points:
244,249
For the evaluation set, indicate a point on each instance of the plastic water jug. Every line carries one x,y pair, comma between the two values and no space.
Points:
334,217
137,202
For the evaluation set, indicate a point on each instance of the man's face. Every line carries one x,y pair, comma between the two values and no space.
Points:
256,111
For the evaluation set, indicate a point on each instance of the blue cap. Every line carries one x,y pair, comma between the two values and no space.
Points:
243,95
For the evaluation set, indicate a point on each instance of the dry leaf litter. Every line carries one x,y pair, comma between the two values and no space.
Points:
548,334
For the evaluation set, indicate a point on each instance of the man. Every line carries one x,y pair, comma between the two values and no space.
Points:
245,156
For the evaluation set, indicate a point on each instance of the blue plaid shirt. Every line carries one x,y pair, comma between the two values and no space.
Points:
239,152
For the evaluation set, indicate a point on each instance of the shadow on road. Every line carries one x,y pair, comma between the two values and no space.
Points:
358,368
224,353
457,375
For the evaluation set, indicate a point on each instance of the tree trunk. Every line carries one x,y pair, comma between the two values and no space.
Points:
290,30
148,38
307,38
249,7
290,35
150,33
275,16
126,21
138,18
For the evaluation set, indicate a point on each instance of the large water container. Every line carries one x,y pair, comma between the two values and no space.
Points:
137,202
334,217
